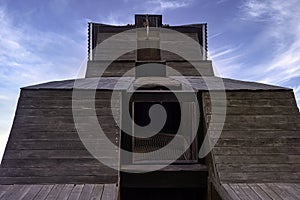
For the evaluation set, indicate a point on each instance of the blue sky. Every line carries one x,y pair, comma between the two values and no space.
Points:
40,41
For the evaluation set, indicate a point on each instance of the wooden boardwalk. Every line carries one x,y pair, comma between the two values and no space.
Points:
59,192
263,191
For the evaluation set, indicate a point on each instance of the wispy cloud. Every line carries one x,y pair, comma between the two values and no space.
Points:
284,28
281,30
276,11
223,52
160,6
115,18
26,54
29,56
5,97
221,1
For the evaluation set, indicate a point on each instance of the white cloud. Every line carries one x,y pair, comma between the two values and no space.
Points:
271,10
115,18
160,6
25,56
5,97
221,53
280,19
284,28
3,140
29,56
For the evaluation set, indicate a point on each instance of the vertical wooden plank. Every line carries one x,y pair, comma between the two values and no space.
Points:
53,194
86,191
259,192
32,192
97,192
76,192
269,191
109,192
43,193
231,193
65,193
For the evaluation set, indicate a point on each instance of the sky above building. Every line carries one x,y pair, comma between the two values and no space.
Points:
40,41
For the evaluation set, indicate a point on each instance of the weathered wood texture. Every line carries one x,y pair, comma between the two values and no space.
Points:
106,69
44,144
260,138
59,192
121,44
263,191
175,67
196,68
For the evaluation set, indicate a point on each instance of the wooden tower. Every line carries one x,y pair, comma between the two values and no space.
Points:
257,155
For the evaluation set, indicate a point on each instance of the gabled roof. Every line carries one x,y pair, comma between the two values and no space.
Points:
198,83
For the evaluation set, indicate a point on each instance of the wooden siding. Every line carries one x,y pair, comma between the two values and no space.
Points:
198,83
119,68
199,68
59,192
44,146
106,69
260,138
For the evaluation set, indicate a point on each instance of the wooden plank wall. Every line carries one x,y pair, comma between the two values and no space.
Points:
44,146
119,68
124,63
115,69
261,137
204,68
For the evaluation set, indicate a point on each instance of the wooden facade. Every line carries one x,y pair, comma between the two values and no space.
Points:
256,157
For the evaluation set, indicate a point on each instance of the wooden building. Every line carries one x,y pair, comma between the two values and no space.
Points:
257,155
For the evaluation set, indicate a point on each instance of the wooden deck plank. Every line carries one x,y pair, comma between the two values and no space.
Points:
295,186
281,192
18,192
109,192
239,191
270,192
32,192
97,192
59,192
21,194
86,191
43,193
261,193
11,192
64,194
75,194
4,189
288,190
230,191
249,192
53,194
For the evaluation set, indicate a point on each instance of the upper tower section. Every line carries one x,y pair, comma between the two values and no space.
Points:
123,48
151,20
